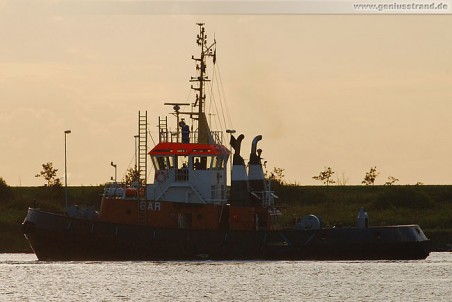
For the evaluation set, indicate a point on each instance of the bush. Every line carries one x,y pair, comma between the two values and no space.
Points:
6,193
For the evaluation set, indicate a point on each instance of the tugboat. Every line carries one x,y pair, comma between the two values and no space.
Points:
188,212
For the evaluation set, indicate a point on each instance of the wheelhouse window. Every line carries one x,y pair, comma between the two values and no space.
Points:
163,162
182,167
218,162
200,163
207,162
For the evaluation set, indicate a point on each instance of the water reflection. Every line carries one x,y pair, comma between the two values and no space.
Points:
25,278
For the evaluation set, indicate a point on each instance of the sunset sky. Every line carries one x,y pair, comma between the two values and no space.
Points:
345,91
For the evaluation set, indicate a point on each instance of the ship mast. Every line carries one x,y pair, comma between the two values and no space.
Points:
204,136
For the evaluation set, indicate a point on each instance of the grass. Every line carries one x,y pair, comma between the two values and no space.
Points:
394,204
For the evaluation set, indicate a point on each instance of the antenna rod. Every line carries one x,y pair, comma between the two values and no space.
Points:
204,135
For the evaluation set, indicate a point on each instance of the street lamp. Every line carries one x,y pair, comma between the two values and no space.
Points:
65,168
137,140
113,165
136,150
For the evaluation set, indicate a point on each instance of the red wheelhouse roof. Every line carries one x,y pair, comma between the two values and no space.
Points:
188,149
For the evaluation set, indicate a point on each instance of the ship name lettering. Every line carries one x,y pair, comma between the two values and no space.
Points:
154,206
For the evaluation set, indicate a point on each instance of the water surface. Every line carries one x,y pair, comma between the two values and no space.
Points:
23,278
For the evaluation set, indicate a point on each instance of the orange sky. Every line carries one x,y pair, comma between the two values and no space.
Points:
346,91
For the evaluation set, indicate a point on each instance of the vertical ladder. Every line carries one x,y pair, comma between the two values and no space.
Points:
142,165
163,129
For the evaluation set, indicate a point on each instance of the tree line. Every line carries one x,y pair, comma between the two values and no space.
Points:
49,173
326,177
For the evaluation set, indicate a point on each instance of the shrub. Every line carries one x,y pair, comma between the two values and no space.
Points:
6,193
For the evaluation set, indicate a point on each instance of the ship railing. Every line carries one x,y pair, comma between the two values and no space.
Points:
114,190
216,137
218,194
267,198
175,137
121,190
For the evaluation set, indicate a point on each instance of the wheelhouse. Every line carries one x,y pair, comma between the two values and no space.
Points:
187,168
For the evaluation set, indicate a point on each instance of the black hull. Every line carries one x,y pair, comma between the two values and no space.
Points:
58,237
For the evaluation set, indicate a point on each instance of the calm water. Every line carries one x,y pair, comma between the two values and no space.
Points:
23,278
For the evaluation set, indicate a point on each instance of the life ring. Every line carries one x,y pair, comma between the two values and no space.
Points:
132,192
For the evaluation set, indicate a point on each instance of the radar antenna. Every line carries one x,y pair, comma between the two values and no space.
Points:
176,108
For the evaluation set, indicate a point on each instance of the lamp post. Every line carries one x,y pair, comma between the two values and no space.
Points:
136,150
137,137
65,168
114,166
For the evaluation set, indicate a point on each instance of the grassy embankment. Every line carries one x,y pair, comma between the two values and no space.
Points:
13,212
428,206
